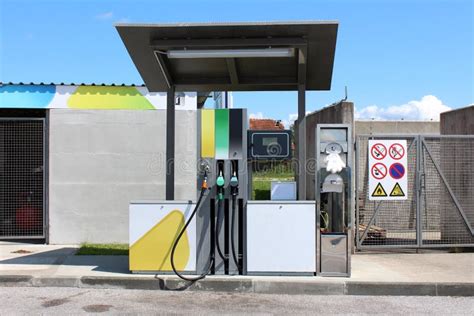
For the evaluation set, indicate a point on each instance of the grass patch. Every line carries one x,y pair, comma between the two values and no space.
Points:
274,174
261,190
103,250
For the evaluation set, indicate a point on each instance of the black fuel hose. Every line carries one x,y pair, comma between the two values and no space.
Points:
219,211
211,256
234,255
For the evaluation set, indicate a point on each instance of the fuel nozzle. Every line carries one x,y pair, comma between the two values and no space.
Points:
220,186
204,186
234,184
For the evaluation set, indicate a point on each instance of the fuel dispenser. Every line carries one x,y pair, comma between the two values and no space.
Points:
220,213
223,233
333,199
194,239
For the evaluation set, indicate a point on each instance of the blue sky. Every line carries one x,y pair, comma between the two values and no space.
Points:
406,59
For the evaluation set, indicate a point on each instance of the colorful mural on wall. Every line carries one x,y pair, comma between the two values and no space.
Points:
87,97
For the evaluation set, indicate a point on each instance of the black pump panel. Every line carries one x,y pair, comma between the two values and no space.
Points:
235,133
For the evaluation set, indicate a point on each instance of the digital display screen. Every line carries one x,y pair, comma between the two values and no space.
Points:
267,141
264,145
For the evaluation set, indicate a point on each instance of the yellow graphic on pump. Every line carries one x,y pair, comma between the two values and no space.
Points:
153,250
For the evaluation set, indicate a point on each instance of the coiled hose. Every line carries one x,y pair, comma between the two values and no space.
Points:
211,255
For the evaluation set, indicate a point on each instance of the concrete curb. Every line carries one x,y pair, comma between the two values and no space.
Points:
290,287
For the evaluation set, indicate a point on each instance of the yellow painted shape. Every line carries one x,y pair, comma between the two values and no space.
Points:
152,252
208,139
108,98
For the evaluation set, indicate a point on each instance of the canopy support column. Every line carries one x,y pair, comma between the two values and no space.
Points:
301,132
170,132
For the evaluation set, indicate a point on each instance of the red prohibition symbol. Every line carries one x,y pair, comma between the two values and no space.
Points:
396,151
378,151
379,171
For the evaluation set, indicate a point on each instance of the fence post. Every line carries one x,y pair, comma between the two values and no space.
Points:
419,151
356,195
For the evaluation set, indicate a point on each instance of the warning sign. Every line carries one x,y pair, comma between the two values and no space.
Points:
379,171
397,151
397,190
378,151
379,191
387,169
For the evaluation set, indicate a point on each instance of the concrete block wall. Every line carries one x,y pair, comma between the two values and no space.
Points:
457,163
100,160
458,122
396,127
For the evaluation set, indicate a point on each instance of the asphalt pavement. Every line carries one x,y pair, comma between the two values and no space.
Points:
66,301
433,273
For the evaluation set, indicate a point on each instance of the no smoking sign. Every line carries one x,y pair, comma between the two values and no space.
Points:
388,174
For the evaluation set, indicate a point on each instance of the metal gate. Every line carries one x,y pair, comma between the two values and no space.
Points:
439,211
22,178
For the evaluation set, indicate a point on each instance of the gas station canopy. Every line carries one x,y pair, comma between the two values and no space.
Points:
232,56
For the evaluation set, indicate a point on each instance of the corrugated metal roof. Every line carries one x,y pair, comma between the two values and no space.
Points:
70,84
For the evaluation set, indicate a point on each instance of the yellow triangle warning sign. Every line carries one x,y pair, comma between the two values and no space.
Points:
397,190
379,191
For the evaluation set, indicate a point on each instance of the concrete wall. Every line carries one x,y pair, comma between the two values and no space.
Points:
396,127
101,160
458,122
340,113
457,163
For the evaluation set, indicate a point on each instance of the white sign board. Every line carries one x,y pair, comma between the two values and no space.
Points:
283,191
388,170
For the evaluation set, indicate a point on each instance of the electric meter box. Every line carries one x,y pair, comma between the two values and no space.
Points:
269,145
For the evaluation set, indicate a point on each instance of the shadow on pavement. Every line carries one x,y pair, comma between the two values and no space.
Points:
65,257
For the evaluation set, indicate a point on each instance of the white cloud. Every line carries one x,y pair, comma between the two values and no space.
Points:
291,119
105,16
428,108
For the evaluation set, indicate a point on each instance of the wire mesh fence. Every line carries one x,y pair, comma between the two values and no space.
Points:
439,209
447,190
22,178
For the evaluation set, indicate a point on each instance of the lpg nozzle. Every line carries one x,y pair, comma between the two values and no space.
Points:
234,184
234,180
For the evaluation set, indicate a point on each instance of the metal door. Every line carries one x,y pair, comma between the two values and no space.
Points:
22,178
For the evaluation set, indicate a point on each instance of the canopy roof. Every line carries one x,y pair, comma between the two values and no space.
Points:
312,46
